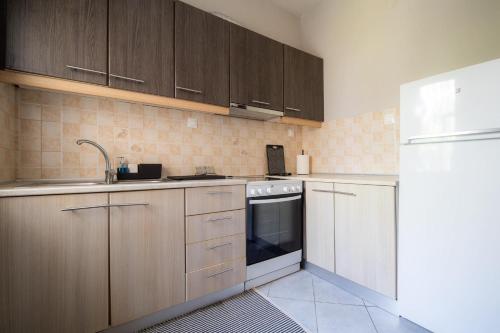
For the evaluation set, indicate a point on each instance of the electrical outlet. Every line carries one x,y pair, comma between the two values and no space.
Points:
389,118
192,123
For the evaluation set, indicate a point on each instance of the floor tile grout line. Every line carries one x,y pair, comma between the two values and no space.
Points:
369,315
315,309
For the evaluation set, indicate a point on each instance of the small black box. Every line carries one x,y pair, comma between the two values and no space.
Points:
144,171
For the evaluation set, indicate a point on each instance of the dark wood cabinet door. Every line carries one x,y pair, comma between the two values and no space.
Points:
201,56
256,69
141,46
303,85
61,38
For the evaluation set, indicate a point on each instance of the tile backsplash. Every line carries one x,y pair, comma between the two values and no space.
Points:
51,122
39,130
367,144
8,132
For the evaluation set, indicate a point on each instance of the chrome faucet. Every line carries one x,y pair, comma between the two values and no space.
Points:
109,173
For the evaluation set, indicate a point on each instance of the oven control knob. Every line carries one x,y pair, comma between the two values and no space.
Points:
285,189
298,188
252,192
259,191
269,190
293,188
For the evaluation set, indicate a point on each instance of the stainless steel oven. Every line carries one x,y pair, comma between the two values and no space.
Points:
273,230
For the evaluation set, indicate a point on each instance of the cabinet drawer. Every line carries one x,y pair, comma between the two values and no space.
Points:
209,226
202,200
215,278
216,251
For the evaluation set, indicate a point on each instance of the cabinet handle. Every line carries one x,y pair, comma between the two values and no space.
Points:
336,192
103,206
217,219
129,204
85,70
219,273
71,209
292,109
260,102
189,90
345,193
220,192
323,191
126,78
220,245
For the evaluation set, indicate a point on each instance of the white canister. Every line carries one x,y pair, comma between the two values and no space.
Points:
302,164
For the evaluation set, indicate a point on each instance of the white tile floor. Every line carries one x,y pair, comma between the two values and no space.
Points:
322,307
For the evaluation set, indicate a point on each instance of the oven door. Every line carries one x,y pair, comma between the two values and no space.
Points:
274,226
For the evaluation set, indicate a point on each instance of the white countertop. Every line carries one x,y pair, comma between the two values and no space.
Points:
29,188
386,180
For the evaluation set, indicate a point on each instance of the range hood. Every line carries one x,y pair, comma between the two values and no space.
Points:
252,112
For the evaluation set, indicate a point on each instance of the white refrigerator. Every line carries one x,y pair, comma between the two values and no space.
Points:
449,208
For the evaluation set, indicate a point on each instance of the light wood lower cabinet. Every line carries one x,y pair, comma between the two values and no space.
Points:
212,252
320,225
365,236
147,252
215,225
54,264
203,200
215,278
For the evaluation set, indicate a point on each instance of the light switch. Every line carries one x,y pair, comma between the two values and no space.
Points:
291,133
192,123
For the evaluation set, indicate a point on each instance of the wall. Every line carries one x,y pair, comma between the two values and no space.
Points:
51,122
371,47
261,16
8,132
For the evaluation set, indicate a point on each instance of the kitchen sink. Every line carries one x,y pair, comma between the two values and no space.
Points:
82,183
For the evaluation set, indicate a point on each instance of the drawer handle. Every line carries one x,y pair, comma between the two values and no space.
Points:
292,109
220,192
220,245
218,219
219,273
345,193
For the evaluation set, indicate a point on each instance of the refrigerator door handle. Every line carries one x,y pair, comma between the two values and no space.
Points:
412,139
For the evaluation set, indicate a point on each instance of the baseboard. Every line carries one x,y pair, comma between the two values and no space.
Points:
175,311
384,302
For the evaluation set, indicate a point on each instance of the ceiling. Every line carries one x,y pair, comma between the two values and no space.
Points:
296,7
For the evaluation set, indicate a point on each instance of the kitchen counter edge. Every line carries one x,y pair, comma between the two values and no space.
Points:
7,190
359,179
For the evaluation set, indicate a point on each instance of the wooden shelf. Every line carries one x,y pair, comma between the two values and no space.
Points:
67,86
88,89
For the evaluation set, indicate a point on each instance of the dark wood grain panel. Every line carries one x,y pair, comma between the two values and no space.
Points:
256,69
46,36
201,56
3,37
303,80
141,45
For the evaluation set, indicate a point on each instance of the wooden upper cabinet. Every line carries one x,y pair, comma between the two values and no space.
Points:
303,79
256,69
201,56
61,38
141,46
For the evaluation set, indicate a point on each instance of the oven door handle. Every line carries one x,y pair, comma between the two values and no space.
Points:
268,201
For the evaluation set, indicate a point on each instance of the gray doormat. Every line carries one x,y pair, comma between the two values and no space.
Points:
248,312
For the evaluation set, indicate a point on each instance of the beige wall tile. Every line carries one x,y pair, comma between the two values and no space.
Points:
51,113
30,111
51,144
51,129
30,128
51,159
